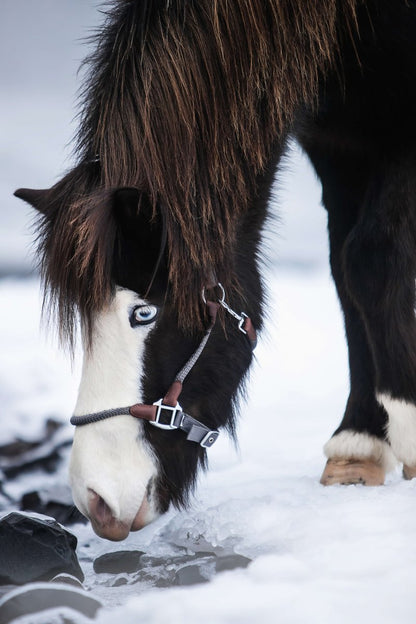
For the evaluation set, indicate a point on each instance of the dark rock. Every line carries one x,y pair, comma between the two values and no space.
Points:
127,561
34,549
201,570
230,562
149,561
119,582
158,577
34,598
20,446
56,502
175,560
22,456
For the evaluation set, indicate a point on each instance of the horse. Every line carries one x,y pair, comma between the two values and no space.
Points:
153,238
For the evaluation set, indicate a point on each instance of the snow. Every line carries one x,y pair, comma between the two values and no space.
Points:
318,554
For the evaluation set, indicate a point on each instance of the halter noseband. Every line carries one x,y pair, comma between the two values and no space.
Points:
166,413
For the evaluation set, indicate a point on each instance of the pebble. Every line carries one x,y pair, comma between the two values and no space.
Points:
127,561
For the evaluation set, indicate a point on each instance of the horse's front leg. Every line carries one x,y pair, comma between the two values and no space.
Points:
379,260
358,451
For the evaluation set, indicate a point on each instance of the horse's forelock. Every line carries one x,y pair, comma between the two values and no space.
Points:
189,98
185,100
76,243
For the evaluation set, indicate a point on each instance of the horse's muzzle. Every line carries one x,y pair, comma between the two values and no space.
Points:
107,526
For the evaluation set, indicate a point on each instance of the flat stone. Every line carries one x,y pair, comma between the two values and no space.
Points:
201,570
34,549
127,561
231,562
35,598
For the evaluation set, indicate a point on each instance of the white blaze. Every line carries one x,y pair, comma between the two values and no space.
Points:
111,457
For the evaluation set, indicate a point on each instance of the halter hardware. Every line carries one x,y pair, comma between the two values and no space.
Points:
161,408
166,413
241,318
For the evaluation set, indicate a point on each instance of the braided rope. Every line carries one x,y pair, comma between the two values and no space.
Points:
194,357
86,419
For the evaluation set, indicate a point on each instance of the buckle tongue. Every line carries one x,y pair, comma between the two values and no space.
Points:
166,416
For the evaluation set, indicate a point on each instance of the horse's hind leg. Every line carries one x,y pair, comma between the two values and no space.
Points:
358,451
380,271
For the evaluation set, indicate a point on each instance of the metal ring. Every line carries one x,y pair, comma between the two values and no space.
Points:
221,287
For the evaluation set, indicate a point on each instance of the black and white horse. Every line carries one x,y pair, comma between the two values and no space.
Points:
153,237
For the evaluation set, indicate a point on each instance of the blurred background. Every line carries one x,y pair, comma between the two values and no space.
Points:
40,51
41,46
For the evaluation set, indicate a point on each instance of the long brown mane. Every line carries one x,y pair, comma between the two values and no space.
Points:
184,100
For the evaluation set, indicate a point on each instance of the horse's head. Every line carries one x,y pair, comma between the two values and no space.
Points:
124,470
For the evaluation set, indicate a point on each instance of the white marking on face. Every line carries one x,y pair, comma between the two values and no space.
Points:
358,445
401,428
111,457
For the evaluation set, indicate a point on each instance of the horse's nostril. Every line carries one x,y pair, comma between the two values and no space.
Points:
103,520
103,511
99,509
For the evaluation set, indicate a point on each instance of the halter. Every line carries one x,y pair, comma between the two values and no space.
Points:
166,413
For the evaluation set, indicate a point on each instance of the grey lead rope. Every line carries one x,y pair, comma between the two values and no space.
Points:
97,416
194,357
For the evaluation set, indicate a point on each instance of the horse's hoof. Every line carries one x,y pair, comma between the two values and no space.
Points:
353,471
409,472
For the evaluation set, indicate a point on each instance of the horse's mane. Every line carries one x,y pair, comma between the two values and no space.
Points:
185,100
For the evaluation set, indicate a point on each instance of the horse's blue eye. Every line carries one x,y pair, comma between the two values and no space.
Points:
143,315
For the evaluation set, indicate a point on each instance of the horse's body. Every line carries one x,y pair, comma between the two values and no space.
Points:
186,114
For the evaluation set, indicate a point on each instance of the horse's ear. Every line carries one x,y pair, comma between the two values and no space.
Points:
34,197
131,207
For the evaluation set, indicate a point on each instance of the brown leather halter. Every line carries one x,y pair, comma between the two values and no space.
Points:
166,413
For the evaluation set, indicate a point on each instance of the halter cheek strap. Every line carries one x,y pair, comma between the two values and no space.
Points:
166,413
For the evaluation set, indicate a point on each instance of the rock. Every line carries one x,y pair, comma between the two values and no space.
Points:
127,561
203,566
201,570
120,581
20,446
23,456
56,502
185,569
34,549
62,603
230,562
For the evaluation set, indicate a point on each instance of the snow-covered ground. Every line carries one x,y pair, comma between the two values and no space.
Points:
338,554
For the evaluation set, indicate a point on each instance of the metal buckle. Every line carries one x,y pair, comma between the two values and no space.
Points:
241,322
161,408
241,318
210,439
